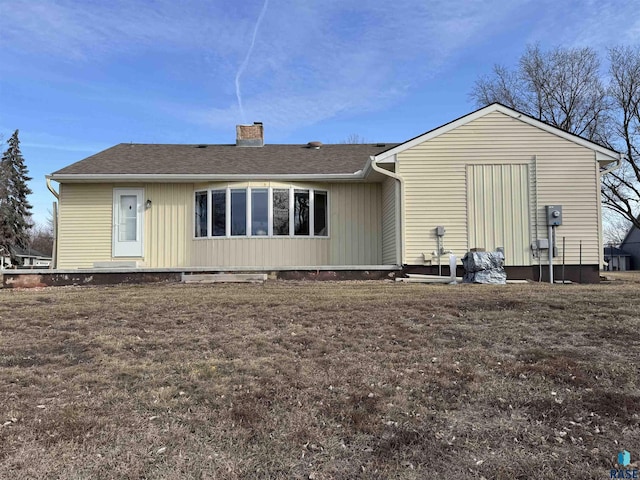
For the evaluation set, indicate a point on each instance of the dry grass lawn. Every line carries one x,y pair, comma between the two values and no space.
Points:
319,381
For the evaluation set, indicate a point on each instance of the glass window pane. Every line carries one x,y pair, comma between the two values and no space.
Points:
201,214
320,214
128,218
259,211
280,212
301,212
219,207
238,212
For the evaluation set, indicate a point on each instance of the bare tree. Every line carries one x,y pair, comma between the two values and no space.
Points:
615,229
41,236
565,88
353,139
621,188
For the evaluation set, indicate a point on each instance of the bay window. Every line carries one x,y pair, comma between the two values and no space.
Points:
262,212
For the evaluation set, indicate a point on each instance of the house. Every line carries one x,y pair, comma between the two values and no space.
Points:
27,257
616,259
484,178
631,246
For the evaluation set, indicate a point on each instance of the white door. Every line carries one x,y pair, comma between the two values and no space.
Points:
127,222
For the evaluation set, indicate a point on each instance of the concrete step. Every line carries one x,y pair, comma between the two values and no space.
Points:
224,278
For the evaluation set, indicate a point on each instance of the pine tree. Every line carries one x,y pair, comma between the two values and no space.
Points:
15,209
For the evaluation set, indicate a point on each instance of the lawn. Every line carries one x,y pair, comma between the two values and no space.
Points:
319,380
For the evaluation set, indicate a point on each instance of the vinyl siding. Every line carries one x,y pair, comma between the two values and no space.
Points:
498,210
436,190
85,225
167,236
355,234
389,255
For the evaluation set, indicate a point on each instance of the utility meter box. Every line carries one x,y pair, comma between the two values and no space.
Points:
440,231
554,215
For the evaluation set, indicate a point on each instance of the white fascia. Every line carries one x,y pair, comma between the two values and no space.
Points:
602,153
188,178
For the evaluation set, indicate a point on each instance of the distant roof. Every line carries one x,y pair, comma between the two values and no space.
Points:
29,252
615,251
166,159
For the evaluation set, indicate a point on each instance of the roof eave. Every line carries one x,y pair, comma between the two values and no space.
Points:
187,178
603,153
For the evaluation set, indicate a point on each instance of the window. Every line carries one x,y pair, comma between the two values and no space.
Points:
280,211
238,212
201,214
320,214
219,212
301,212
261,212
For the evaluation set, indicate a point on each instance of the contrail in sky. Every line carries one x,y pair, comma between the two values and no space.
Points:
246,59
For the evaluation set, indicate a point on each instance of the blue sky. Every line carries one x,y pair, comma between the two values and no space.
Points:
77,77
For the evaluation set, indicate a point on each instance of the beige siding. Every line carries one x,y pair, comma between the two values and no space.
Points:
356,224
168,225
498,210
85,225
389,252
436,193
260,252
355,234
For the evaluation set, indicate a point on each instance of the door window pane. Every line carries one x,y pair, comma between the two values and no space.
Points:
219,211
238,212
280,212
259,211
320,214
301,212
201,214
128,218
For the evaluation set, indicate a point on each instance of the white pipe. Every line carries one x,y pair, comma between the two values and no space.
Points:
452,267
399,209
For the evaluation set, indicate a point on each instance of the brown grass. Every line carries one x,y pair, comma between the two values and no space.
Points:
319,380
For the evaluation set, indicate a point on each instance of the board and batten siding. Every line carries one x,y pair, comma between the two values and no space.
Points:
85,225
168,231
355,234
389,252
498,210
560,171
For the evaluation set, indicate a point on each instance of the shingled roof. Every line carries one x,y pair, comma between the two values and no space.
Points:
159,159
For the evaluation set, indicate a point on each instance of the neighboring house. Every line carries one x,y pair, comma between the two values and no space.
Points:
27,258
485,177
631,245
616,259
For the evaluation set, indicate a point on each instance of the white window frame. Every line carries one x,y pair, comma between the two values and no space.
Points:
248,230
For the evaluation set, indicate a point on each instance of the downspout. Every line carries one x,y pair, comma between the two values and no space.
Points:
617,165
399,209
51,189
54,212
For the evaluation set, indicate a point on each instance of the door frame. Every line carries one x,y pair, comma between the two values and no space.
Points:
139,193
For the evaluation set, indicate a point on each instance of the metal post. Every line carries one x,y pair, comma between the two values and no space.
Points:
580,267
563,244
550,234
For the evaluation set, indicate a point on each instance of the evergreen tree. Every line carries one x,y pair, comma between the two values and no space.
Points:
15,209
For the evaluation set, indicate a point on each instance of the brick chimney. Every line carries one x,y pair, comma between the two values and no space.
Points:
250,135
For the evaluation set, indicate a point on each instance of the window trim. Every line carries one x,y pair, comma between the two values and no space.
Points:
248,230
